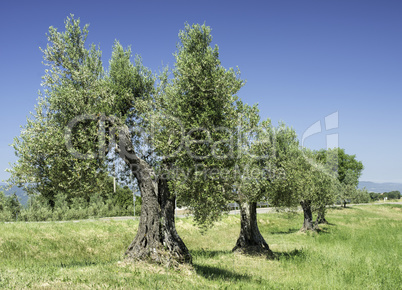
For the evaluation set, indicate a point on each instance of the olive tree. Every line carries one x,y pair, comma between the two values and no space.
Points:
173,136
173,133
200,100
71,84
253,164
305,181
346,168
261,173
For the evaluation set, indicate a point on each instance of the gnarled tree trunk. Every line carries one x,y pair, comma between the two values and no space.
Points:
321,216
157,239
250,238
170,238
308,216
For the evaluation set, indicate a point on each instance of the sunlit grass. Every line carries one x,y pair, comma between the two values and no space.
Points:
360,249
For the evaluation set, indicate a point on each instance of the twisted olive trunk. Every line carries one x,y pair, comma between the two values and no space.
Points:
321,216
308,216
250,238
157,239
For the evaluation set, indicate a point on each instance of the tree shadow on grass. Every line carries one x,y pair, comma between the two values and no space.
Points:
328,224
290,255
208,254
256,251
214,273
320,230
349,207
289,231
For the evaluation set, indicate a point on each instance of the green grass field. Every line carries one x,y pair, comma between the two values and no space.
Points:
360,249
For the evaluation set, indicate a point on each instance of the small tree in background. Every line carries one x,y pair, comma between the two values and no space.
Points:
348,187
2,200
348,171
392,194
14,205
307,183
361,196
5,212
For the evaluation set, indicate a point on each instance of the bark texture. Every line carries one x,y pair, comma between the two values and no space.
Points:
250,239
308,216
321,216
157,239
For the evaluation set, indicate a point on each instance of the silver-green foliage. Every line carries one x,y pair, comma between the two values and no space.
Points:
72,86
194,124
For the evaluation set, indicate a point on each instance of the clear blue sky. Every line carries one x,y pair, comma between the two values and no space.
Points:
303,60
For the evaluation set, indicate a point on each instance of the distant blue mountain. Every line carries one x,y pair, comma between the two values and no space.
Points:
21,194
380,187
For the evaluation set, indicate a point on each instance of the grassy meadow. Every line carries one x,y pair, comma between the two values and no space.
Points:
361,248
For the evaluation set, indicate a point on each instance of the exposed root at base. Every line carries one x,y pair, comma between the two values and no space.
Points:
314,229
255,251
158,256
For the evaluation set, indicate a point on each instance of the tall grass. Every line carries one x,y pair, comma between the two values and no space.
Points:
360,249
